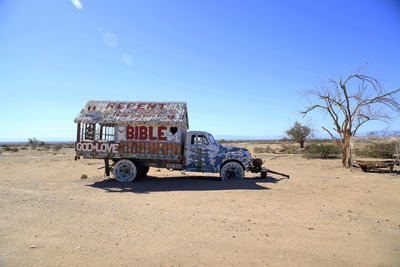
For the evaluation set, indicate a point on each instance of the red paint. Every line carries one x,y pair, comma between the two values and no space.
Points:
146,133
121,105
136,131
151,106
151,137
130,105
130,133
143,133
137,106
161,134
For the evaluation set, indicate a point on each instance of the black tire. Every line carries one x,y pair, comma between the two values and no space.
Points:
125,171
232,170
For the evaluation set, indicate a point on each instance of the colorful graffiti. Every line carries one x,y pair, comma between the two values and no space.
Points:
146,133
164,148
97,147
211,157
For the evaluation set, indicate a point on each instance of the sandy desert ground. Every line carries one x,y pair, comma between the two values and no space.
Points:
322,216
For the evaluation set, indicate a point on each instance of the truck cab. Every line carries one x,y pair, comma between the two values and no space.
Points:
203,154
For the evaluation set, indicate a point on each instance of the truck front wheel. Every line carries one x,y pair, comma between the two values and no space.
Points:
125,171
231,170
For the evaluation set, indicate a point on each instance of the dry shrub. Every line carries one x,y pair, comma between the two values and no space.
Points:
323,151
11,148
70,145
266,149
57,147
378,150
33,142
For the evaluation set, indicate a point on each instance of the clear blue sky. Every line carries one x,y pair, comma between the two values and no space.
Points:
240,65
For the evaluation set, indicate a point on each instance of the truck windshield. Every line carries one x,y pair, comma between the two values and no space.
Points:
211,138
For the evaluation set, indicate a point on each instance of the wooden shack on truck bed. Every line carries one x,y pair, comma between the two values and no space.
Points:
150,131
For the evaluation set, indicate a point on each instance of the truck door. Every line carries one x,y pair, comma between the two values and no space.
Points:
198,154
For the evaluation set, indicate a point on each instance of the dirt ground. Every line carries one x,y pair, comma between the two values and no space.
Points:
322,216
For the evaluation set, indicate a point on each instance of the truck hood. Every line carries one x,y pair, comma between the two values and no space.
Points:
236,149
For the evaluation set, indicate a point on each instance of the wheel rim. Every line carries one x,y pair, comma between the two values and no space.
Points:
124,172
232,171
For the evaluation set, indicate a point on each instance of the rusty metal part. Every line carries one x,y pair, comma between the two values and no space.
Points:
367,165
106,167
256,167
257,162
265,171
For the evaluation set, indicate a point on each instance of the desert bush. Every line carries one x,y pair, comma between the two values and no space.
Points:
47,147
322,151
70,145
42,143
33,142
266,149
378,150
291,150
299,133
222,141
11,148
285,139
57,147
288,149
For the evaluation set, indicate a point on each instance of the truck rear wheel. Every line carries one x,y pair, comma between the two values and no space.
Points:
125,171
231,170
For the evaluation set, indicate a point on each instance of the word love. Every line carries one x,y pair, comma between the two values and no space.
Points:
146,133
97,147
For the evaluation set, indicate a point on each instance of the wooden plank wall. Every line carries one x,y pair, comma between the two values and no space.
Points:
150,147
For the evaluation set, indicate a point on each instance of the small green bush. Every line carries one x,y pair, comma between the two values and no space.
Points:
323,151
378,150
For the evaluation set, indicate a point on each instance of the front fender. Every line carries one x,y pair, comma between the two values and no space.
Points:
244,160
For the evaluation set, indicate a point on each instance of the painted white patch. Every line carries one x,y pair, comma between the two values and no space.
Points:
121,133
77,4
110,39
174,137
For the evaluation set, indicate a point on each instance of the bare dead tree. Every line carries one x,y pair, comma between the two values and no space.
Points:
350,104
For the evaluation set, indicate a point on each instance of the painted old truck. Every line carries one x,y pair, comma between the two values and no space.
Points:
138,135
